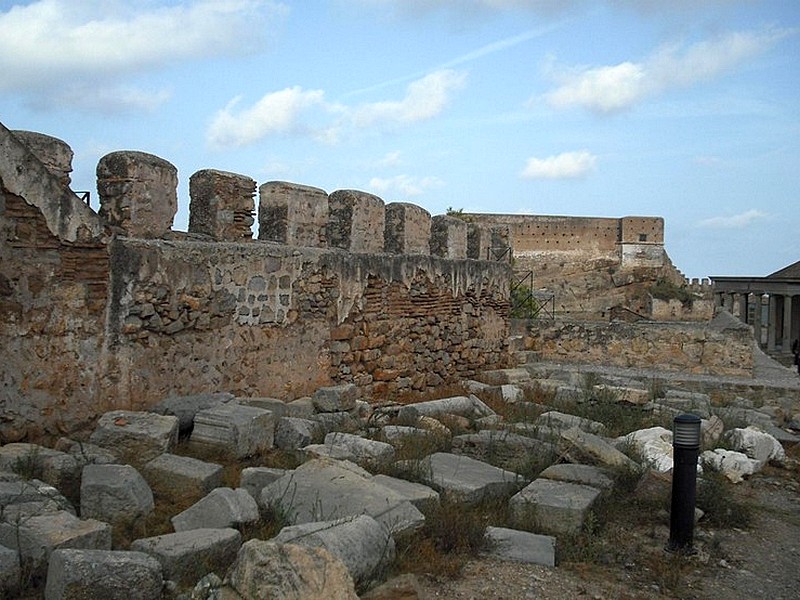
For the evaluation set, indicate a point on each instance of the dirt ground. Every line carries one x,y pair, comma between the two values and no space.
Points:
761,561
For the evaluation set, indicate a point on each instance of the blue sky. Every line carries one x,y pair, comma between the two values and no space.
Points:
687,109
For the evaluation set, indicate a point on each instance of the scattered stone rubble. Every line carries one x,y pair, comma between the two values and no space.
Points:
67,514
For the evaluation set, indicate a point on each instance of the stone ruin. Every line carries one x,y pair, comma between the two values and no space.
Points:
128,336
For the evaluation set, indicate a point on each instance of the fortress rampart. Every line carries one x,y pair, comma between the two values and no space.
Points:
114,309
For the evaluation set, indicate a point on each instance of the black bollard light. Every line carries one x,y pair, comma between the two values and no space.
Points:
685,447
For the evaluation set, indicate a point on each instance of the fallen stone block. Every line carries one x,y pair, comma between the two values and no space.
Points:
238,430
56,468
326,451
136,437
85,453
186,407
618,393
19,497
102,575
338,398
756,444
366,452
555,506
421,496
36,537
469,407
179,478
326,489
584,474
501,448
361,543
220,509
265,569
292,433
653,444
733,465
596,449
561,421
521,546
187,556
336,421
254,479
275,405
465,480
504,376
116,494
401,435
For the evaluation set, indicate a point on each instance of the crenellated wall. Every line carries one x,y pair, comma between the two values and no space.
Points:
118,311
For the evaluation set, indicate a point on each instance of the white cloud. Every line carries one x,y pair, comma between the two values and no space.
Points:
567,165
425,98
612,88
404,185
306,113
48,42
391,159
275,113
739,221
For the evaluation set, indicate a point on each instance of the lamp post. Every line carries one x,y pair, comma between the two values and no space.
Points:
685,447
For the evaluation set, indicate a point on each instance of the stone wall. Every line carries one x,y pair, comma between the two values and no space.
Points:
594,266
709,349
267,320
99,312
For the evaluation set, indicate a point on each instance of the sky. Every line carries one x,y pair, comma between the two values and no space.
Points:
685,109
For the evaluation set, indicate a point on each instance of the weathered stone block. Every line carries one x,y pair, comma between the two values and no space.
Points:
466,480
36,537
186,407
136,437
335,398
408,229
501,448
222,508
421,496
181,477
75,574
116,494
590,475
356,221
241,430
479,240
187,556
521,546
292,433
138,193
366,452
557,506
361,543
221,205
269,570
324,489
254,479
293,214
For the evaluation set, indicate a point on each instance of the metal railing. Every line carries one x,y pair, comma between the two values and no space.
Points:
529,304
85,197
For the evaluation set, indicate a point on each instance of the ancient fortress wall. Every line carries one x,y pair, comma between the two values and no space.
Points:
116,310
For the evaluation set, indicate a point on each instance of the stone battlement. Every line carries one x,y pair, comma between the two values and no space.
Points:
115,310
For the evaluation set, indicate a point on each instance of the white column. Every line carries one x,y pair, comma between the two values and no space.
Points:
757,318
